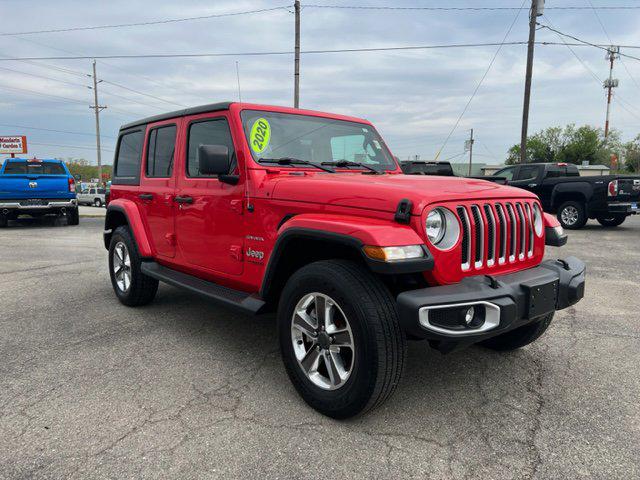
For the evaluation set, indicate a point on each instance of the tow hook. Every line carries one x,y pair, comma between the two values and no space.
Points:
493,283
564,264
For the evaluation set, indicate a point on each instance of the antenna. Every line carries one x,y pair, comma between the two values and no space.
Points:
238,76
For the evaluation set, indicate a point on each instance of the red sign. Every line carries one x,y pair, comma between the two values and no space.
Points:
13,144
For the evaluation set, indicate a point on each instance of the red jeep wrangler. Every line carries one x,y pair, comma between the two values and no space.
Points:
308,214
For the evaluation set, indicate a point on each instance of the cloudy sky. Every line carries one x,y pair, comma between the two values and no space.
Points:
414,97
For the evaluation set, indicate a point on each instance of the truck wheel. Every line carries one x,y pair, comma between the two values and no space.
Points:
519,337
572,215
132,287
73,216
611,220
4,221
340,338
97,202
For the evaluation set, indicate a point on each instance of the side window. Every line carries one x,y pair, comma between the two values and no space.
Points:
554,172
101,191
92,191
209,132
528,173
506,173
128,156
160,151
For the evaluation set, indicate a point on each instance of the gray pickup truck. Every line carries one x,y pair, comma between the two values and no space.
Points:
92,196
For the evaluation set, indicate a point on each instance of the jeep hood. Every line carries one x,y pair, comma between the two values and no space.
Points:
383,192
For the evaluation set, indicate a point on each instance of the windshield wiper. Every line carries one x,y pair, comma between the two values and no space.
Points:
294,161
348,163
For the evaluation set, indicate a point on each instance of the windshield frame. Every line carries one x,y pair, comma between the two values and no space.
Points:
392,167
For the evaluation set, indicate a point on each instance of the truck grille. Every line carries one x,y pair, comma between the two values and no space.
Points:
495,233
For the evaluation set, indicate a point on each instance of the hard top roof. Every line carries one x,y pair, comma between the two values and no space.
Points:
211,107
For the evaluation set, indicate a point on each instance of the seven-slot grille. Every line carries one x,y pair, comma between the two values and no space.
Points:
496,233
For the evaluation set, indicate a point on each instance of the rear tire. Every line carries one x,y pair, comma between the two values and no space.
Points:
131,286
611,220
519,337
4,221
572,215
97,203
376,357
73,216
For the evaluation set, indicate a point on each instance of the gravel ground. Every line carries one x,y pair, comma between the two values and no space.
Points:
185,389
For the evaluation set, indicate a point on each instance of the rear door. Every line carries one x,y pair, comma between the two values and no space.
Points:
527,177
35,179
209,224
157,185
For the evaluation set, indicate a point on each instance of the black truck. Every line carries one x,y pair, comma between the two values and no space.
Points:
609,199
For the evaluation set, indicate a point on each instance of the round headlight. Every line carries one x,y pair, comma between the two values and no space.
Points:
537,219
435,226
442,228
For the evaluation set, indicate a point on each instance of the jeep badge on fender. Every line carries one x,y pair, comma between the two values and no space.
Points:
355,257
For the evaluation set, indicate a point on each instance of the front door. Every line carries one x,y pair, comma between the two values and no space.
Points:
209,223
157,185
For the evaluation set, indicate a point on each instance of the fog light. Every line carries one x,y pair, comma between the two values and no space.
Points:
468,316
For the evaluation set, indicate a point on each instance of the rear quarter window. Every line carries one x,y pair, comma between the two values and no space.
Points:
128,158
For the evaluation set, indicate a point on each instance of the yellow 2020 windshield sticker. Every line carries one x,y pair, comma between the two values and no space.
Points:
260,135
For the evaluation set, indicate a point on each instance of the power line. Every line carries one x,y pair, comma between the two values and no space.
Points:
44,77
142,93
493,59
459,9
67,146
139,24
52,130
595,13
312,52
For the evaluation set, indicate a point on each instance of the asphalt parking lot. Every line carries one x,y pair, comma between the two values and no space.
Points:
186,389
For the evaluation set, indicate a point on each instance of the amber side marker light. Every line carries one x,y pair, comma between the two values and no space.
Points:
394,254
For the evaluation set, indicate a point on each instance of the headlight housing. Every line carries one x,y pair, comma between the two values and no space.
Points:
538,223
442,228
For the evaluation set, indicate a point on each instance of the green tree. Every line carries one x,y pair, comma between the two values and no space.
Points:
570,144
82,167
632,155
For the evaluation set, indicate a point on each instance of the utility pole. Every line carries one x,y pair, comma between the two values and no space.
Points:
537,7
238,77
296,75
97,108
470,143
610,83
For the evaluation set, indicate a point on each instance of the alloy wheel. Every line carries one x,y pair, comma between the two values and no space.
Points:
122,266
322,341
569,215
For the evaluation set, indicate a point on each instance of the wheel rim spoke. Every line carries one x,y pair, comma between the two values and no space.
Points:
336,371
310,361
303,322
321,310
122,266
342,339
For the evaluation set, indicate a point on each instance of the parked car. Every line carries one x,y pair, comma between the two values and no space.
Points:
609,199
36,187
92,196
439,168
308,214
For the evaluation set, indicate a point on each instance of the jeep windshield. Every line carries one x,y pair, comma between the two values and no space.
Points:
317,140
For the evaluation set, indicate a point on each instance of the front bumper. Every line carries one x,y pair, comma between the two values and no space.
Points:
627,208
508,302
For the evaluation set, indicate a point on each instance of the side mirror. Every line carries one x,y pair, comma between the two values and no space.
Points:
213,159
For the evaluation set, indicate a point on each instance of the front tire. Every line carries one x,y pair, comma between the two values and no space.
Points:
131,286
611,220
4,221
519,337
348,358
572,215
97,203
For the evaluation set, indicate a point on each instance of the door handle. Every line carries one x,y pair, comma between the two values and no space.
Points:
183,199
146,196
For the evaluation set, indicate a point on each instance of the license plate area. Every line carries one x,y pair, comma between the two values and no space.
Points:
541,298
32,202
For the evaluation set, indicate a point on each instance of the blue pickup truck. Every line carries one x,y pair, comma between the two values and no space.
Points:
37,187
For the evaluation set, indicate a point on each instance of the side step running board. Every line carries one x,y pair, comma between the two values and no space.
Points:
226,296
